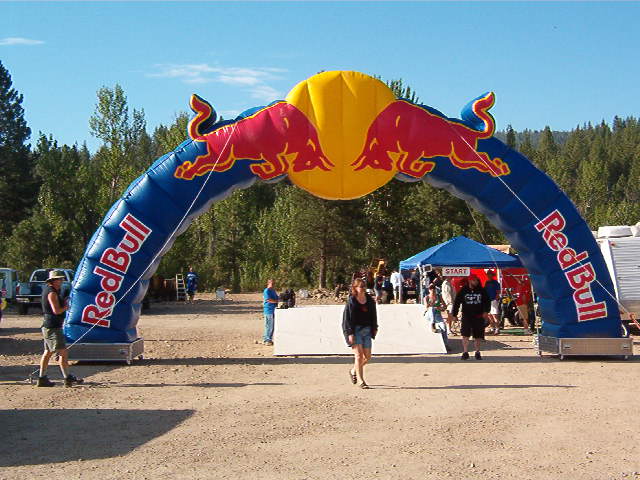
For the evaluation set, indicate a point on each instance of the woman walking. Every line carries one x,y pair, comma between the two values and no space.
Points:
360,326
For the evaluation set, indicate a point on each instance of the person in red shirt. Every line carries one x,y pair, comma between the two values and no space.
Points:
522,301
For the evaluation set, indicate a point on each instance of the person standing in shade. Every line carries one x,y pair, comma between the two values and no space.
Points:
270,297
192,284
448,295
396,282
492,286
522,302
360,327
53,308
377,288
415,278
3,293
475,305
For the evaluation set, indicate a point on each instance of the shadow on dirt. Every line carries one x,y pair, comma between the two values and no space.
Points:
200,385
19,331
26,374
16,374
204,307
465,387
20,346
87,433
453,357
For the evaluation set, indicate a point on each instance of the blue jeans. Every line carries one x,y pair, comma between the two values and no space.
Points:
268,327
362,336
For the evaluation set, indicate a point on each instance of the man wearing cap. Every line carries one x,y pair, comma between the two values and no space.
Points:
53,308
475,313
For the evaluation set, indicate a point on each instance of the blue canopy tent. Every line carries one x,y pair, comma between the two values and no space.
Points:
461,252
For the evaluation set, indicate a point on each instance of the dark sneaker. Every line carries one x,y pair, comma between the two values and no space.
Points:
478,356
268,343
71,379
44,382
465,356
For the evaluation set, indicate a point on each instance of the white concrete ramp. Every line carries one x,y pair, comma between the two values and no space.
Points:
317,330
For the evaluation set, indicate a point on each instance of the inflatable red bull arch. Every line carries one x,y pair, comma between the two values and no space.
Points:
342,135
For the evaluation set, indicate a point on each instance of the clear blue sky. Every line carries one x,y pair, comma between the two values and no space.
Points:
556,64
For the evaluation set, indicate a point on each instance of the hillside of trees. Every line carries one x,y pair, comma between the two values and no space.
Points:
54,197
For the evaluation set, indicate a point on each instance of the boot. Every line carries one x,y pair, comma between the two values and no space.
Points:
71,379
45,382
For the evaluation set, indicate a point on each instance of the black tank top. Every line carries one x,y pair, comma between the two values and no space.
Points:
362,314
51,320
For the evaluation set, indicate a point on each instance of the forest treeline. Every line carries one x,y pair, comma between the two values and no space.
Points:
54,197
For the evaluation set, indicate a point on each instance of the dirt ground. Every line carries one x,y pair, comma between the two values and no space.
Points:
208,401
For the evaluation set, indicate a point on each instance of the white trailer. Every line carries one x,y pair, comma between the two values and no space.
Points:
620,246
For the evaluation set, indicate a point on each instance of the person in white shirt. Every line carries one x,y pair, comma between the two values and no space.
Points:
448,295
396,282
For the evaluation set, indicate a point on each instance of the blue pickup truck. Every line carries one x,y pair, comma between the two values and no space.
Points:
28,294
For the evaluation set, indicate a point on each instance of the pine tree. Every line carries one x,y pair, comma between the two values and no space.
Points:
511,137
18,188
547,150
591,188
526,146
401,91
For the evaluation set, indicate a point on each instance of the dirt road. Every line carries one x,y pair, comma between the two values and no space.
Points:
208,402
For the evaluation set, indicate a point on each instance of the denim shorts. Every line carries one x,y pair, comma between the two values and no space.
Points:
362,336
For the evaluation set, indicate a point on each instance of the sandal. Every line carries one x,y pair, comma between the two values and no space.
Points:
364,386
353,377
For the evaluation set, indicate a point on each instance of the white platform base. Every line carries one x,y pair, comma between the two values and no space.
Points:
564,347
107,352
317,330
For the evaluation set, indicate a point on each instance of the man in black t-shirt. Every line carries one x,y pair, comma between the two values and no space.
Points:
475,313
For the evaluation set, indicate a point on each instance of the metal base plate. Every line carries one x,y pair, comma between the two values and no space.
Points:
107,352
585,346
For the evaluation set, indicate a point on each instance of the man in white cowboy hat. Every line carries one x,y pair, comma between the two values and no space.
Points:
53,308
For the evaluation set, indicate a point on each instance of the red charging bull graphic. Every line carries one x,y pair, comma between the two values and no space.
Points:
279,136
403,134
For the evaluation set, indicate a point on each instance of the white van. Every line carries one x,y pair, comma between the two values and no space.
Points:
620,246
8,283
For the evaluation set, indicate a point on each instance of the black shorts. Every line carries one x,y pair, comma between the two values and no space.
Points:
473,327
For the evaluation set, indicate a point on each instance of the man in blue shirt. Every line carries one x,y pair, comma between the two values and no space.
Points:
192,284
270,303
493,290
